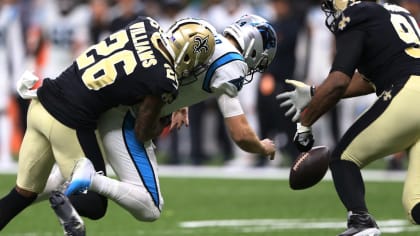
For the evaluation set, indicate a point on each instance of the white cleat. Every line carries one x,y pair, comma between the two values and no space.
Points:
81,177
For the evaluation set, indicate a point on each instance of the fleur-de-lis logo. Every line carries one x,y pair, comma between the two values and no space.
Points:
387,95
201,45
344,21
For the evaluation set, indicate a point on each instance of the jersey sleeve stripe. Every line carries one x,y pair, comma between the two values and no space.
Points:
223,60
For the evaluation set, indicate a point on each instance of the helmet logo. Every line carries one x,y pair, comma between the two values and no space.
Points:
201,45
344,21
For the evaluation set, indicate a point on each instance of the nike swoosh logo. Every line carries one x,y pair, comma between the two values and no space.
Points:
305,143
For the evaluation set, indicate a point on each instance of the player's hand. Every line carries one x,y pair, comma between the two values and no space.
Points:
304,140
269,148
179,118
24,85
297,99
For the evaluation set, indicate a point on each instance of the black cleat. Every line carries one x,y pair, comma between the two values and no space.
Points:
361,224
69,218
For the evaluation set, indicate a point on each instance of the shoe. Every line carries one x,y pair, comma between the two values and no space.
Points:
81,177
361,225
69,218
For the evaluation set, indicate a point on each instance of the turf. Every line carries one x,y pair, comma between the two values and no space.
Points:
229,207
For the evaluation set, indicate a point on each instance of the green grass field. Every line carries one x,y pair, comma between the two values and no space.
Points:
229,207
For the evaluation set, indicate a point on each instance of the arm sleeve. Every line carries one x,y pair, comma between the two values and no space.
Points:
229,106
228,78
349,51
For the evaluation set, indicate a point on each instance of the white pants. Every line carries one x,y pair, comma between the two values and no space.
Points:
136,188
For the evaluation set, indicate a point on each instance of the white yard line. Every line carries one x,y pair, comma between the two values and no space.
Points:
392,226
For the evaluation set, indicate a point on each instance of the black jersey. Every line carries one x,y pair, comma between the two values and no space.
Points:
120,70
380,41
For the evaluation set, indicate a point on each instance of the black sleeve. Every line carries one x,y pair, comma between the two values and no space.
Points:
349,51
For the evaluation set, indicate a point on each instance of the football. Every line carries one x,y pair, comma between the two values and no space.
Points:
309,168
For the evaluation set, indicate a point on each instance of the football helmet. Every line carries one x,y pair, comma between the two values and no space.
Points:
333,10
257,40
192,42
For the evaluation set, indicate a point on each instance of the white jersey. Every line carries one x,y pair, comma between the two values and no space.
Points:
223,79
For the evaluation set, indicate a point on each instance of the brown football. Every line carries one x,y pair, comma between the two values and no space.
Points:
309,168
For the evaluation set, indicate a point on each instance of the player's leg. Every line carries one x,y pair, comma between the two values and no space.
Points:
35,162
138,189
411,192
69,146
135,165
54,182
363,144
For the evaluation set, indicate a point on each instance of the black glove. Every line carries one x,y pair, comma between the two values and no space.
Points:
304,140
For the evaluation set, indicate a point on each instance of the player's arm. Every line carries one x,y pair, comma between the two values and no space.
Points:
337,84
148,125
326,96
239,129
245,137
358,86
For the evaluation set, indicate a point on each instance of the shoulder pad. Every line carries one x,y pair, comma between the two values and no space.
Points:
356,15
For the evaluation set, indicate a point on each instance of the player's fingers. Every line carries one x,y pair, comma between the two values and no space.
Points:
291,110
296,117
295,83
284,95
286,103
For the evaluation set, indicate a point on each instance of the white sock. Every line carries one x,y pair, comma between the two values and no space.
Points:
55,180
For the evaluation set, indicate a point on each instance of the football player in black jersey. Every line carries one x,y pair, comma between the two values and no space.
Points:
137,65
377,50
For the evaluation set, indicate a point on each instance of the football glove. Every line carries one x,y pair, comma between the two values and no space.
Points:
298,99
304,140
24,85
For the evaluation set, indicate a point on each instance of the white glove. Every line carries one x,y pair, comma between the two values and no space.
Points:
25,83
304,140
298,98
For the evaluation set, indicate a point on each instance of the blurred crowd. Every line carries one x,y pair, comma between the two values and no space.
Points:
44,36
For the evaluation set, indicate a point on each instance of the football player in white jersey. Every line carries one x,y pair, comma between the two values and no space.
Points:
247,46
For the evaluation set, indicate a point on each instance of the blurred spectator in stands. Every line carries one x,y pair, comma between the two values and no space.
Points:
126,11
12,55
273,123
221,13
413,6
99,20
64,26
171,10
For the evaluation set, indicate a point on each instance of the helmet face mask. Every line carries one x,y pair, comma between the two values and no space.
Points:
333,10
257,41
192,42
